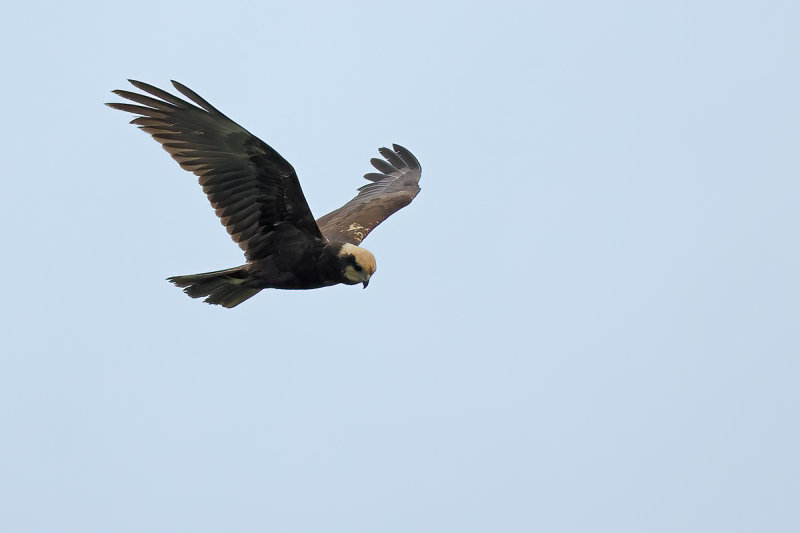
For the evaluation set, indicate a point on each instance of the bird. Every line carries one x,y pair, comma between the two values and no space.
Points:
257,196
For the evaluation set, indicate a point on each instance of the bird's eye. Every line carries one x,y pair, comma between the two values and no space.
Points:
358,267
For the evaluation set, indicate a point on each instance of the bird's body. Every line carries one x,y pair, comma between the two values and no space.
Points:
258,198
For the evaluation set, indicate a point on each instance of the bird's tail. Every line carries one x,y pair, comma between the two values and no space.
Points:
223,287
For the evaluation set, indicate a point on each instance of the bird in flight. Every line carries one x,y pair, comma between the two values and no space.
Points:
257,196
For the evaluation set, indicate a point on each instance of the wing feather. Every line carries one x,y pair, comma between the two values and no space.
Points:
392,189
394,159
382,166
251,187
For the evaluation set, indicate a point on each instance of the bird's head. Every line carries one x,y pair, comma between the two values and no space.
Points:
358,264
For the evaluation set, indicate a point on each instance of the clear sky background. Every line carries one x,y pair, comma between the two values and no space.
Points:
586,321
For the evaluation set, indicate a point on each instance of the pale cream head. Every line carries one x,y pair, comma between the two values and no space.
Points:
364,259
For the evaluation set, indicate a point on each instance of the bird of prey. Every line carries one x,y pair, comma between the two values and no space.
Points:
257,196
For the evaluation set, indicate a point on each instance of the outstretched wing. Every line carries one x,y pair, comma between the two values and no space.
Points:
254,191
393,187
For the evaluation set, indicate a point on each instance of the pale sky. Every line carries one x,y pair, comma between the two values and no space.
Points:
587,321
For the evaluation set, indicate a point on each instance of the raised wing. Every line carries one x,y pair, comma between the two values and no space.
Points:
393,187
254,191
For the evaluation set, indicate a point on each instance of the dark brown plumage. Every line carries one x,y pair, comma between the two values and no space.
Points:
258,198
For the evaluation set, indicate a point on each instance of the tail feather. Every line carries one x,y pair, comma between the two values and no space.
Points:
223,287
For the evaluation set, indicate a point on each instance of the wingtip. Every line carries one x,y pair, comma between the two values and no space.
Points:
142,86
406,155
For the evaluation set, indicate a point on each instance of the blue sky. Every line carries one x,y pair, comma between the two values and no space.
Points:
586,321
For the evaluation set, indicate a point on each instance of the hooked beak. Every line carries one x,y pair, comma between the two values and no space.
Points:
365,283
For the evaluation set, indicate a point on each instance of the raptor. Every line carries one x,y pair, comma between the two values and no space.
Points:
256,194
